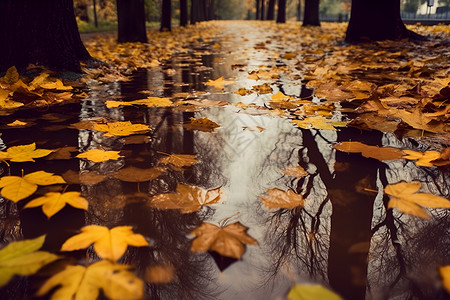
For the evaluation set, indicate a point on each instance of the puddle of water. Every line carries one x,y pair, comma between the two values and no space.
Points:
343,238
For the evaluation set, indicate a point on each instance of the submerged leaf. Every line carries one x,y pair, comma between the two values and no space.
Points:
296,171
179,160
133,174
277,198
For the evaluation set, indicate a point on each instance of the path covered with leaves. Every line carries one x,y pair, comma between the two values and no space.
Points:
242,160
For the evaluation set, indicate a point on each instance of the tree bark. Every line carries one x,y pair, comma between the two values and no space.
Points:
311,13
258,10
271,10
131,21
166,15
183,13
42,33
281,16
263,3
376,20
198,11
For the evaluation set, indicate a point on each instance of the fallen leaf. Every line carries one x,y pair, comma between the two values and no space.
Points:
121,128
318,122
99,155
228,241
56,85
296,171
219,83
311,292
187,199
179,160
201,124
422,159
17,123
11,75
262,88
87,178
62,153
53,202
80,282
17,188
133,174
379,153
22,258
160,274
278,97
277,198
24,153
445,274
108,243
405,198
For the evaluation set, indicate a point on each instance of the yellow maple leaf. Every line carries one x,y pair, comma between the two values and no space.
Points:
202,124
422,159
80,282
219,83
17,123
405,198
179,160
318,122
56,85
121,128
22,258
153,101
187,199
277,198
310,292
24,153
39,80
108,243
379,153
445,274
17,188
11,75
228,241
53,202
99,155
278,97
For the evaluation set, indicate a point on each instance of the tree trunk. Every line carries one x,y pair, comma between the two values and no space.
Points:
198,9
258,10
183,13
131,21
375,20
271,10
311,13
299,10
281,16
81,12
262,9
42,33
166,15
211,10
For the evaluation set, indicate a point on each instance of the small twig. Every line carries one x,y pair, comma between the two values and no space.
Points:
222,224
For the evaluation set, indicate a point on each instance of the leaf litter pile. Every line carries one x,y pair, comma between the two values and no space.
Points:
239,157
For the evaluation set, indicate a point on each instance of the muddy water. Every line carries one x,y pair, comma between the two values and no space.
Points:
343,239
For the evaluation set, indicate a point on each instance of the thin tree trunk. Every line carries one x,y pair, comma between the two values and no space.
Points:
166,15
95,13
299,10
40,32
271,10
262,9
258,10
311,13
131,21
183,13
281,16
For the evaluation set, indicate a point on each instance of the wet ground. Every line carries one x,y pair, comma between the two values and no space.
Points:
344,238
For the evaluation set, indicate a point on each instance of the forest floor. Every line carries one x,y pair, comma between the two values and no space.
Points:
250,159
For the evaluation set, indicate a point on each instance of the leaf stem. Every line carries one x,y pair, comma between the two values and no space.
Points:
222,224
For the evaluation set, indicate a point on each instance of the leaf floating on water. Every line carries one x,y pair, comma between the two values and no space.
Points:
445,274
277,198
53,202
201,124
121,128
22,258
179,160
80,282
296,171
227,241
219,83
133,174
379,153
311,292
187,199
278,97
24,153
99,155
17,188
108,243
405,198
61,153
87,178
424,159
319,122
17,123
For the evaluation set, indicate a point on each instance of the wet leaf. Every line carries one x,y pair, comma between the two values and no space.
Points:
24,153
99,155
11,76
405,198
311,292
62,153
179,160
445,274
219,83
202,124
17,188
278,97
56,85
379,153
262,88
80,282
228,241
422,159
22,258
160,274
17,123
277,198
318,122
87,178
150,102
295,171
203,102
121,128
108,243
444,158
53,202
133,174
187,199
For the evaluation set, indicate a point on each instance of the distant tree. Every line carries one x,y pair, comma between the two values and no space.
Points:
40,32
166,15
198,11
131,21
311,13
183,13
271,10
263,4
81,9
377,20
281,16
258,9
